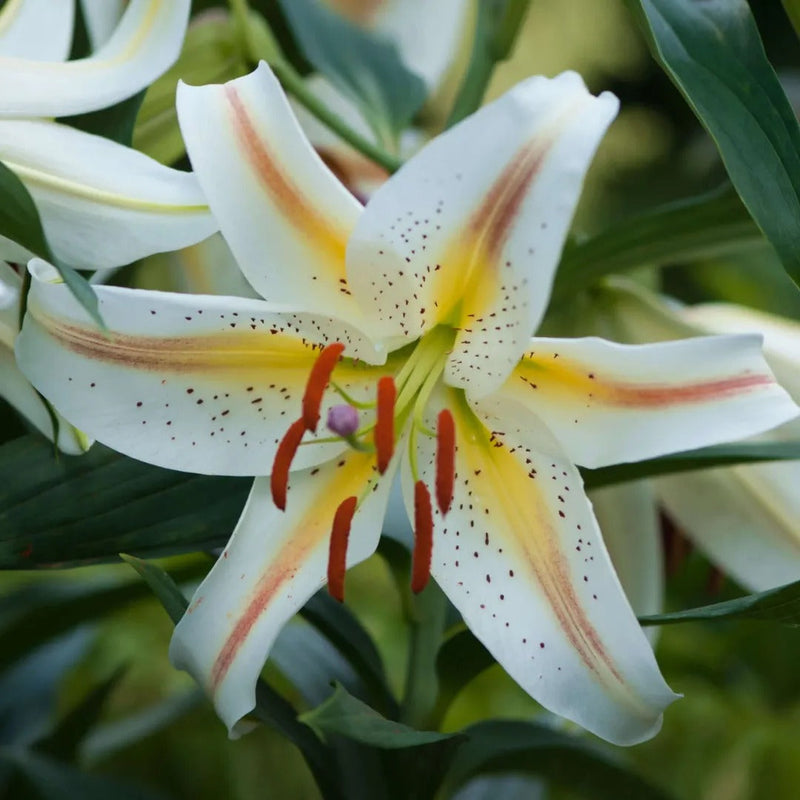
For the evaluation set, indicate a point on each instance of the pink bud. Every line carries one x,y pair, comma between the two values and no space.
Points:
343,420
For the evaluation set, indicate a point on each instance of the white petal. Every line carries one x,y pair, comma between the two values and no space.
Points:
39,30
145,43
197,383
628,518
10,286
273,564
427,34
608,403
744,518
469,231
102,204
101,18
781,335
284,214
521,557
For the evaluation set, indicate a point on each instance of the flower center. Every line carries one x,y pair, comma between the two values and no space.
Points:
400,404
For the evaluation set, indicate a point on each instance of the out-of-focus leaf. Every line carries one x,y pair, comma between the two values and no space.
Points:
110,737
348,716
345,632
567,761
47,779
115,122
781,605
65,739
461,658
722,455
367,69
709,225
20,222
793,12
71,510
35,614
29,686
161,585
503,787
712,52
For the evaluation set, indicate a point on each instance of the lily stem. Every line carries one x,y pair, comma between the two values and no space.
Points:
259,43
496,30
429,610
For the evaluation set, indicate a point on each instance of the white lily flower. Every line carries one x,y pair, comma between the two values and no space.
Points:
744,518
102,205
430,294
14,386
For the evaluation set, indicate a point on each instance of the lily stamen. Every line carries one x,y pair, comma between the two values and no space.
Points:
445,459
279,479
423,538
384,423
337,553
317,382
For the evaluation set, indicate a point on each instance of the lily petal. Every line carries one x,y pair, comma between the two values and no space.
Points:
196,383
471,235
145,43
101,18
744,518
628,518
39,30
272,565
102,204
283,212
521,557
608,403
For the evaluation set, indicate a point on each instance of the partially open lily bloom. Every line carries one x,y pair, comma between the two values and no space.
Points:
418,311
102,205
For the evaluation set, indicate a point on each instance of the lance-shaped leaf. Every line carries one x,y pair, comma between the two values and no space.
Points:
775,605
713,53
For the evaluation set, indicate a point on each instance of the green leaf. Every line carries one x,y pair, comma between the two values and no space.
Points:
792,8
348,716
70,731
364,67
115,122
40,612
567,761
461,658
20,222
780,605
496,30
712,52
78,509
47,779
722,455
712,224
338,625
162,586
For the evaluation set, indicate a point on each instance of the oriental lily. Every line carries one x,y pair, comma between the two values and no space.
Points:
416,311
102,204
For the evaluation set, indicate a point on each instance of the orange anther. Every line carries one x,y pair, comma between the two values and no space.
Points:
445,459
337,553
279,479
384,423
423,538
317,381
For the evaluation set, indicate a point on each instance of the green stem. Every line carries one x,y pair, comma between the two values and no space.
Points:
429,609
297,87
258,43
496,30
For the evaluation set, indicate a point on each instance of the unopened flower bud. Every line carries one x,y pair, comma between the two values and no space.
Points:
343,420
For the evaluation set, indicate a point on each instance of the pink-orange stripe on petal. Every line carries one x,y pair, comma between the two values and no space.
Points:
289,199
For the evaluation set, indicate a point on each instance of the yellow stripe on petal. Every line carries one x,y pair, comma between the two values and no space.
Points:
299,210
